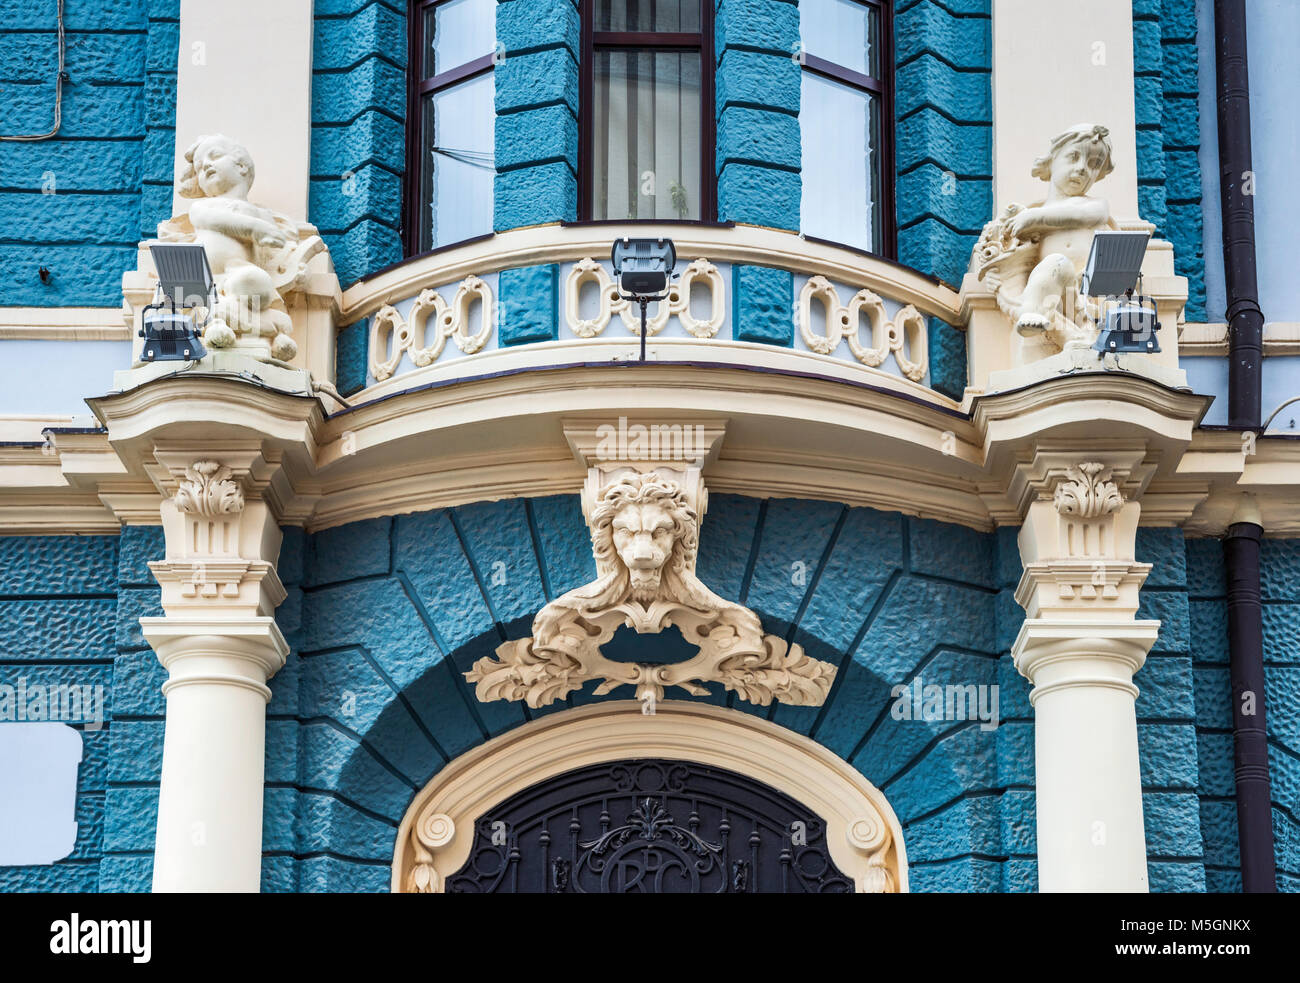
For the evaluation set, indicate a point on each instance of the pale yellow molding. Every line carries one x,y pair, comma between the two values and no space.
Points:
863,835
64,324
854,435
1211,339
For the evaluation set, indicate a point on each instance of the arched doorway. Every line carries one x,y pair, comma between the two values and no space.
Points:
690,799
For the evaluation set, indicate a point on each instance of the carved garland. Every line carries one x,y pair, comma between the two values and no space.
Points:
391,334
905,335
677,304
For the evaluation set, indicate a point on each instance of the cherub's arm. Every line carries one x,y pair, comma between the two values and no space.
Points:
1079,212
231,221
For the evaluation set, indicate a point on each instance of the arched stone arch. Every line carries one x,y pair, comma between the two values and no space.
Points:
863,835
373,704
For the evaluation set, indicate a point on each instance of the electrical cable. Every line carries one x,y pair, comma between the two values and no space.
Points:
58,93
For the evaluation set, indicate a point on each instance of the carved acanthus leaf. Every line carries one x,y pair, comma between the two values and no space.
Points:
1087,492
647,583
208,489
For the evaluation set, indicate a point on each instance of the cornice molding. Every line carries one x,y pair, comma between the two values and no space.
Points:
789,434
64,324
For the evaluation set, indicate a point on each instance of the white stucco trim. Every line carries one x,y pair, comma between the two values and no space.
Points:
244,69
1057,63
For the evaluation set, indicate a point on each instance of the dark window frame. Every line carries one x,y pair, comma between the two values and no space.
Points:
590,42
883,88
417,88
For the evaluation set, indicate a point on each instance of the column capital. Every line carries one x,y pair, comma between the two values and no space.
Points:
244,653
1056,654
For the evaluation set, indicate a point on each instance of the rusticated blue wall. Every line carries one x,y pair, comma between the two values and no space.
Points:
1166,721
358,141
756,99
385,614
68,610
1168,135
536,134
943,110
78,203
1280,591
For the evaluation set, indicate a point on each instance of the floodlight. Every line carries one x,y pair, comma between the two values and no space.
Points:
1130,325
644,268
170,337
184,282
184,276
1115,263
1114,271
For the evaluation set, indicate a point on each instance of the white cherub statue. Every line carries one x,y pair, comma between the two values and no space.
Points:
1033,256
257,255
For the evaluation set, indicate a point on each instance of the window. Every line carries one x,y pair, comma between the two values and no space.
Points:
451,122
647,117
845,119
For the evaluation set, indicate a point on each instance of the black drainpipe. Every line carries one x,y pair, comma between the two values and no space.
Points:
1249,739
1245,319
1242,543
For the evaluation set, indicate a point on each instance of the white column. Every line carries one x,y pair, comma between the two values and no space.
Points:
210,803
1087,779
244,69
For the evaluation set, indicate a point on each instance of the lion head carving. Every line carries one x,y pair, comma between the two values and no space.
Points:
644,536
642,530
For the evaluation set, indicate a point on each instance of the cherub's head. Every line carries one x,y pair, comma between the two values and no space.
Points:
1079,158
216,166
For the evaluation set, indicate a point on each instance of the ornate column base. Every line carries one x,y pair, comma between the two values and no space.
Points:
210,803
1089,787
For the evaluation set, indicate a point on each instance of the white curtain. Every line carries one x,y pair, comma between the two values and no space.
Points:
647,135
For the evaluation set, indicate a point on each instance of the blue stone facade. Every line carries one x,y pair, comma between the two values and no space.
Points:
530,304
358,141
943,128
1280,593
77,204
756,99
762,300
384,616
537,113
1168,135
69,610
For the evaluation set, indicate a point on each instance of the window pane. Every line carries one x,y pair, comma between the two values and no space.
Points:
457,32
646,135
458,170
842,32
840,127
648,15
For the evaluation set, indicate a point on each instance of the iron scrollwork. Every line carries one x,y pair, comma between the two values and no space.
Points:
650,826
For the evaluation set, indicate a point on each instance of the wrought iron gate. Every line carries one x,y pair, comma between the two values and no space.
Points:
649,826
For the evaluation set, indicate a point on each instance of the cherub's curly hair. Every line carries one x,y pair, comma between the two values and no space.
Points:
1089,133
187,185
